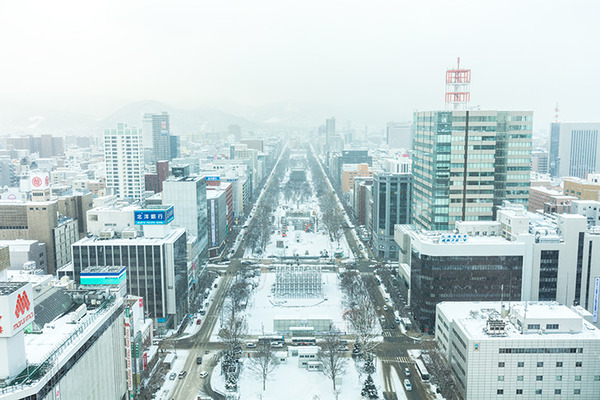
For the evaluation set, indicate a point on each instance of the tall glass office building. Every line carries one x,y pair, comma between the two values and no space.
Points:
466,163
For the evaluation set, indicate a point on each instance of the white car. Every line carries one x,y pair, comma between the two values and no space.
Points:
203,374
407,385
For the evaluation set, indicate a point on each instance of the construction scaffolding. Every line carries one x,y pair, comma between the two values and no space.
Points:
298,281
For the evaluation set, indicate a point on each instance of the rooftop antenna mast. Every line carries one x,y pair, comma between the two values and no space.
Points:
458,88
556,110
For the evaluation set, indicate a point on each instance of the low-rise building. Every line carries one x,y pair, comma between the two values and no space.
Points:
522,350
583,189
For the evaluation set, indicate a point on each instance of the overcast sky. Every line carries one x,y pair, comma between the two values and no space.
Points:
383,58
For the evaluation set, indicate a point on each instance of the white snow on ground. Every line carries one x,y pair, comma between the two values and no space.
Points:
192,328
397,384
265,306
169,385
288,381
300,242
303,243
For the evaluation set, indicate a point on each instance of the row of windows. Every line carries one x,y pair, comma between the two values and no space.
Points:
540,378
540,364
542,350
539,391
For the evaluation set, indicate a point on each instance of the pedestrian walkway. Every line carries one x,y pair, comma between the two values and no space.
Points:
402,360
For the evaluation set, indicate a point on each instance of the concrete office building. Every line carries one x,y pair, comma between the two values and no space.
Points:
391,206
522,256
40,221
156,266
524,350
217,220
466,163
574,149
124,162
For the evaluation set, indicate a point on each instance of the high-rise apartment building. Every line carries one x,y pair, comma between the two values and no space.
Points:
164,145
574,149
466,163
124,162
391,206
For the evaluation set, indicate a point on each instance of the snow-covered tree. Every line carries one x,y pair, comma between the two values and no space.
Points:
369,390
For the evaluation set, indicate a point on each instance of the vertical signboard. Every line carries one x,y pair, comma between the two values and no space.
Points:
212,223
128,351
596,290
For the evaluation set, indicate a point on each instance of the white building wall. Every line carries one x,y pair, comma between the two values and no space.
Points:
100,373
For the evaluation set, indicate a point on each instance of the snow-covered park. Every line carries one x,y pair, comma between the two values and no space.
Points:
288,381
264,307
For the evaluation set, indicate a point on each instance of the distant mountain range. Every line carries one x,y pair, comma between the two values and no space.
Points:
18,119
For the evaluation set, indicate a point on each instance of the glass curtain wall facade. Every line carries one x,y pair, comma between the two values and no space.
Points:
466,163
468,278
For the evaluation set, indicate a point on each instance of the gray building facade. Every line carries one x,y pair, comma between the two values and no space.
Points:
391,206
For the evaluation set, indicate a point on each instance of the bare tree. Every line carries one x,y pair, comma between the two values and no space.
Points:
263,362
238,293
233,329
363,320
332,218
331,355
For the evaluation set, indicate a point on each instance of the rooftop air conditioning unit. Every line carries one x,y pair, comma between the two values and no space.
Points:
106,234
129,234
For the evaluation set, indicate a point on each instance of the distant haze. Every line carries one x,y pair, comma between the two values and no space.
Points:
362,62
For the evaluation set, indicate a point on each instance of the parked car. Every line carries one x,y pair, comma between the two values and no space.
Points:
250,345
202,312
406,371
385,307
182,374
198,321
203,374
173,376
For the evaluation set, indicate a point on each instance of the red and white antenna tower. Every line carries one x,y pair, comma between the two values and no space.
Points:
458,88
556,110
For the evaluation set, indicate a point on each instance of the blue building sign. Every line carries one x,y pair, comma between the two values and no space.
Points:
154,216
213,178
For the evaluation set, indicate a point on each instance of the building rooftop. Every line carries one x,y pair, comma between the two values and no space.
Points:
518,320
7,288
175,232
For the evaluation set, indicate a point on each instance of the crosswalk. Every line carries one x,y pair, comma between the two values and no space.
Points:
402,360
389,334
